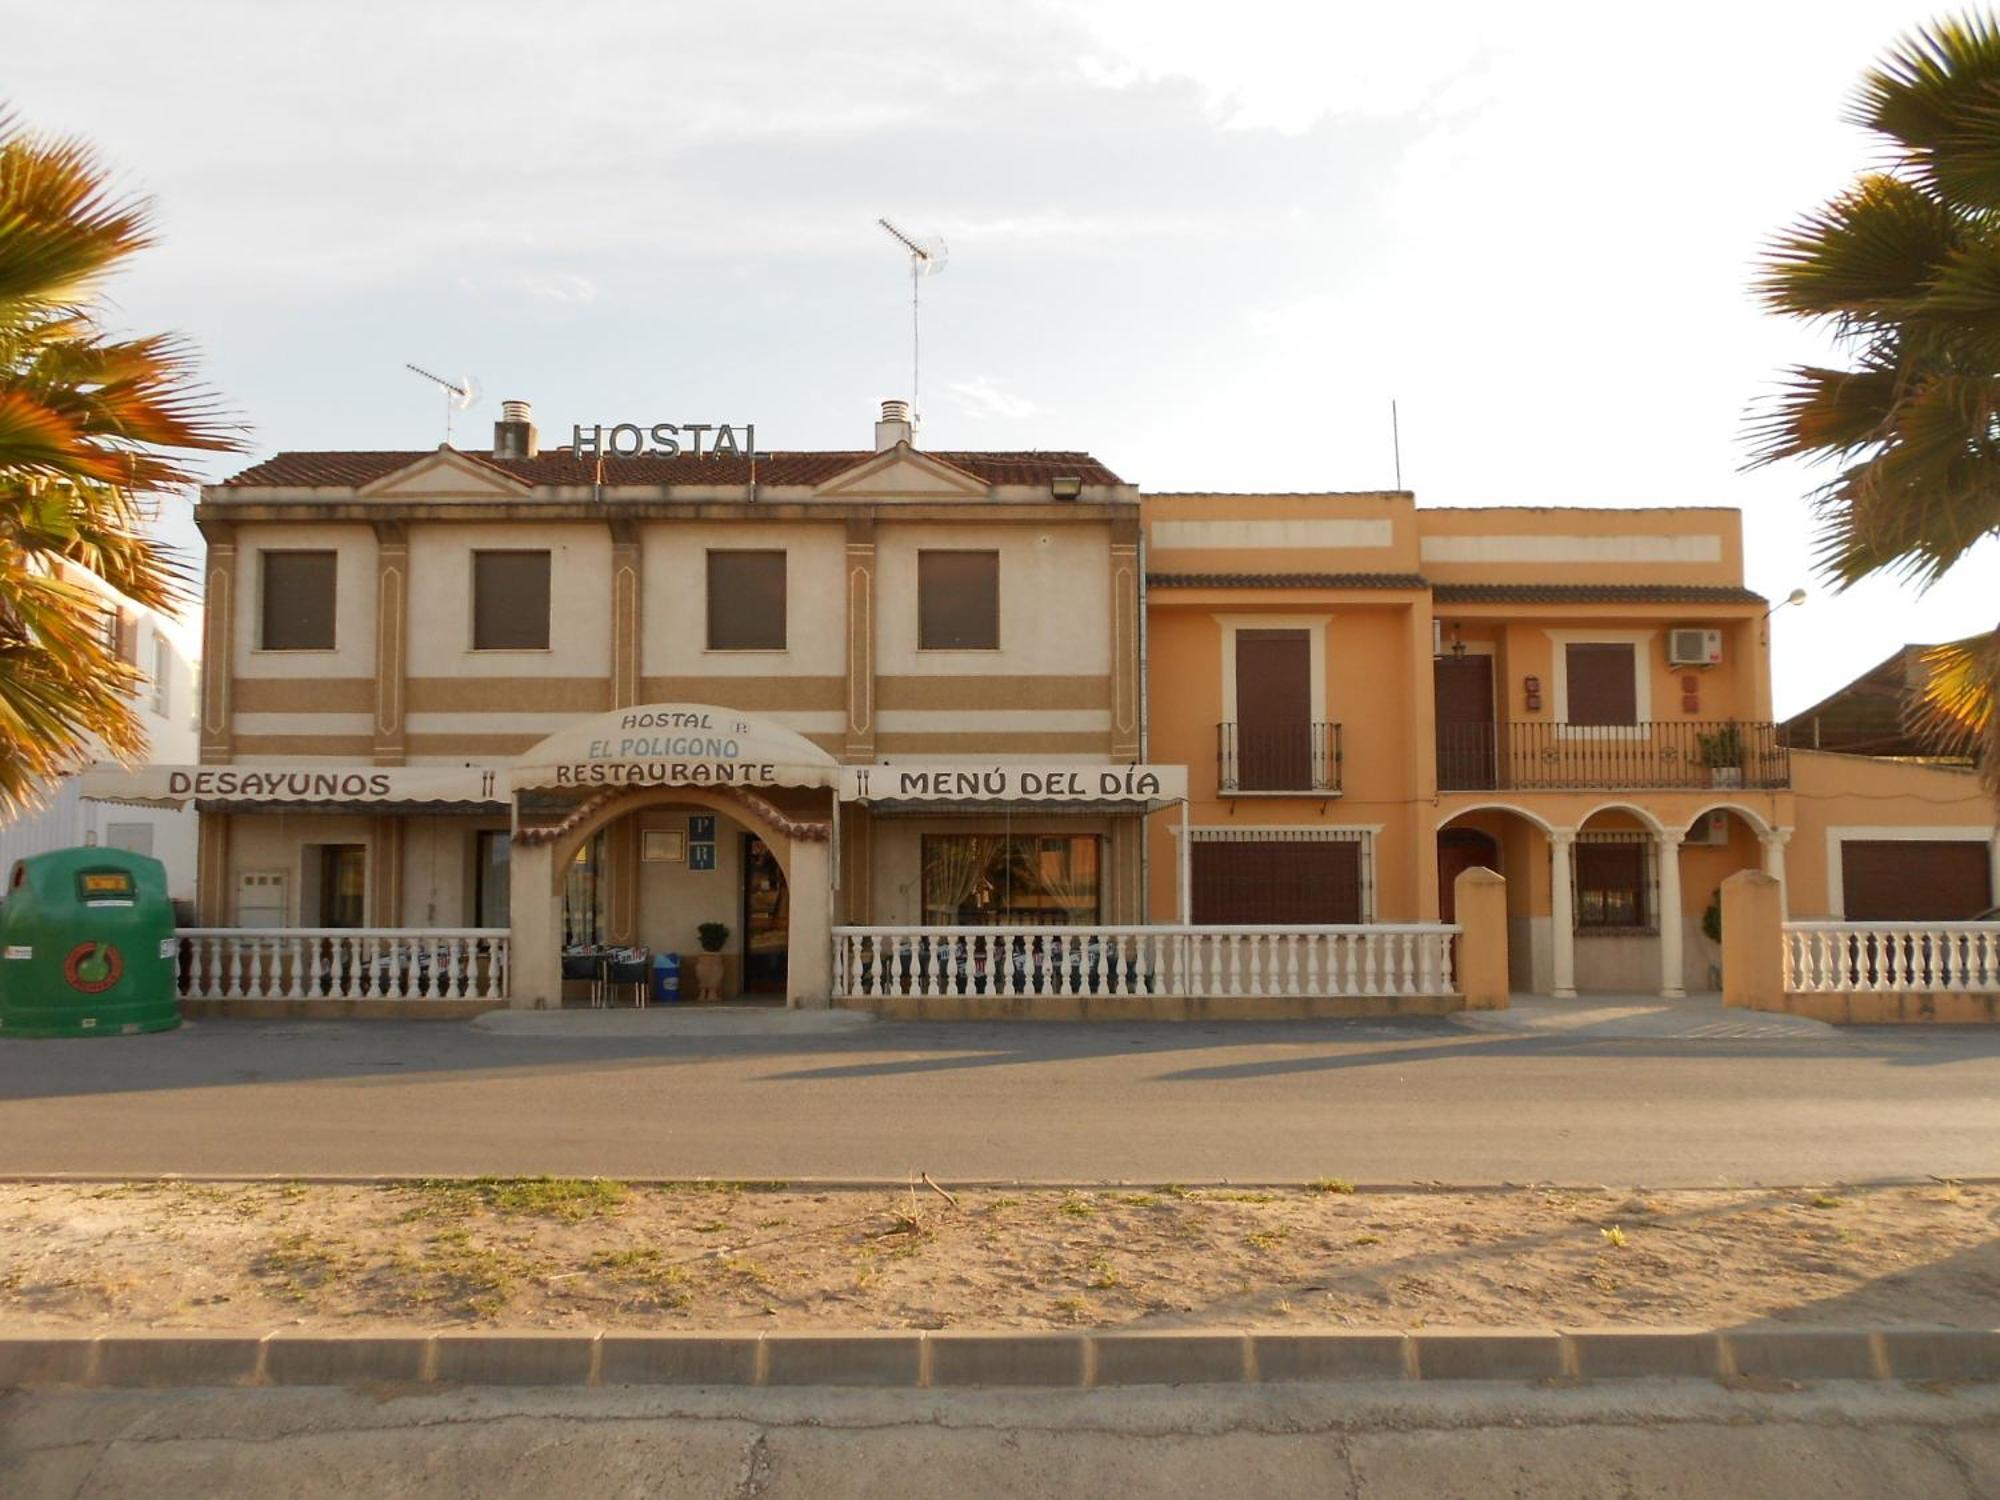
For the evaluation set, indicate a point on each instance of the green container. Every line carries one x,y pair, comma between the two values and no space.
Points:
87,946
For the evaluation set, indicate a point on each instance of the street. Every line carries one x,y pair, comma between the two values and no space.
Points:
1372,1102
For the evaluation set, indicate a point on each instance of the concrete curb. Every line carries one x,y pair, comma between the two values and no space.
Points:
910,1359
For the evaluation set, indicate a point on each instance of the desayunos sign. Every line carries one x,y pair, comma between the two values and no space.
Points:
663,439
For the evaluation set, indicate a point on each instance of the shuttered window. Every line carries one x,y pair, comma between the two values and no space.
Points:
1915,880
1611,885
298,601
1602,682
958,601
746,601
1297,881
510,601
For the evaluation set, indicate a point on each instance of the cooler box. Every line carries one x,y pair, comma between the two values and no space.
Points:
87,946
666,978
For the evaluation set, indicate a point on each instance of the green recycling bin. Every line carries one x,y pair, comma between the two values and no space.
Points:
87,946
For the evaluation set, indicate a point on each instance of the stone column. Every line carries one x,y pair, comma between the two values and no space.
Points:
1423,763
809,938
1774,843
1562,915
392,644
218,647
858,740
1125,686
627,615
385,877
1479,898
1667,857
534,928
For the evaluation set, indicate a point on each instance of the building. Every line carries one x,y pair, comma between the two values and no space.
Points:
650,688
1371,697
1869,716
159,647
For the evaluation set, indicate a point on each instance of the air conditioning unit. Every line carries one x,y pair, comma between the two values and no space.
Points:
1710,830
1694,648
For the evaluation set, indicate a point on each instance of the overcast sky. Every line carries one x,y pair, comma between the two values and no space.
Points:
1209,243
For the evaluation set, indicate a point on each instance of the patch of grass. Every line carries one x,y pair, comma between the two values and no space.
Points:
1366,1239
999,1203
1103,1275
1827,1200
1075,1206
1139,1200
567,1198
1330,1185
1245,1197
1948,1192
711,1226
720,1185
1268,1239
1614,1237
1175,1190
1074,1309
303,1262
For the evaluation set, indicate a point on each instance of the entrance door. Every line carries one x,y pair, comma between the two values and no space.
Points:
343,884
1459,850
1274,711
766,919
1462,687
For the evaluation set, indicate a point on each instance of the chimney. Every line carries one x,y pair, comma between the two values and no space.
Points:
894,427
514,433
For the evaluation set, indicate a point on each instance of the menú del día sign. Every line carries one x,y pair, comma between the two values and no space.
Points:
1010,782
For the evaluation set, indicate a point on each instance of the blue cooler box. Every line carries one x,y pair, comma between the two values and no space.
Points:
666,978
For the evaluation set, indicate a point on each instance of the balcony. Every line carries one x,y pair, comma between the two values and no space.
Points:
1536,755
1297,759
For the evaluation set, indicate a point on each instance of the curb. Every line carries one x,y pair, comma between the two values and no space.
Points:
912,1359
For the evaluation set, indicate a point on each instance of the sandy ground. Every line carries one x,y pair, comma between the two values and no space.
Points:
568,1253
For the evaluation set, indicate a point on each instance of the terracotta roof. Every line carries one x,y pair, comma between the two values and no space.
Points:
350,470
1592,593
1284,581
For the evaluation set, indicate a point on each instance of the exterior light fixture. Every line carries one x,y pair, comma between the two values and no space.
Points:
1457,643
1066,486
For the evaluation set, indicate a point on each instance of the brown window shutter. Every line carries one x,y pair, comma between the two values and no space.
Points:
746,601
297,610
1603,686
1915,880
1301,881
510,601
958,601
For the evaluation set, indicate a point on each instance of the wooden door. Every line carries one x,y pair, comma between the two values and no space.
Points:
1462,690
1461,849
1274,710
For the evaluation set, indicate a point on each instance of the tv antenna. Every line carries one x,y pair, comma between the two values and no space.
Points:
459,395
926,259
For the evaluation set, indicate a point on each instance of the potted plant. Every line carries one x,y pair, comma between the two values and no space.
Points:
1722,753
708,966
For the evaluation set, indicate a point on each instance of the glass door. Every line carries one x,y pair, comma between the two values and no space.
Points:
766,919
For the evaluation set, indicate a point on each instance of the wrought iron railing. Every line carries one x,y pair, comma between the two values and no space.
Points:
1534,754
1301,758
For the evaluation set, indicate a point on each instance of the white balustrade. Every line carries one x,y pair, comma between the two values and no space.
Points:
1900,958
1383,959
343,963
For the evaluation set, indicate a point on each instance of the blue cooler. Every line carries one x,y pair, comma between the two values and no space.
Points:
666,978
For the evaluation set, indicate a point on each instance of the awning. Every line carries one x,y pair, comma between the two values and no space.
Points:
675,744
1027,781
176,786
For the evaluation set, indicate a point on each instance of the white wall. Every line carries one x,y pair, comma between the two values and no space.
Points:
1055,600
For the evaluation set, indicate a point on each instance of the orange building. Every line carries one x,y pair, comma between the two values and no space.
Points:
1371,697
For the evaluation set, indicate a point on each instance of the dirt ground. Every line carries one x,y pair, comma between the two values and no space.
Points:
568,1253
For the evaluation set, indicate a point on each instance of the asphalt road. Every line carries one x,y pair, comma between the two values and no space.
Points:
1243,1101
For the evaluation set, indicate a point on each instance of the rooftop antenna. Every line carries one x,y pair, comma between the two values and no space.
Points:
459,395
926,259
1396,440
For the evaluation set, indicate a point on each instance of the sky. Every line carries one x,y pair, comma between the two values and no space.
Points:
1209,244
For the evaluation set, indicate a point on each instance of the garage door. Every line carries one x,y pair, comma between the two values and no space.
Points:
1296,881
1915,880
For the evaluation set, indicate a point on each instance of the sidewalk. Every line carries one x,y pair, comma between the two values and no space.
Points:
673,1020
1643,1018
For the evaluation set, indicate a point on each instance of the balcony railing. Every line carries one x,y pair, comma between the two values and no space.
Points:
343,963
1303,758
1221,962
1534,754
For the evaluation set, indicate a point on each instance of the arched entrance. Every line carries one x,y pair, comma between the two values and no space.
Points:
1514,843
650,829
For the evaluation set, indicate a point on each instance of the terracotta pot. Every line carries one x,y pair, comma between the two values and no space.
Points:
708,976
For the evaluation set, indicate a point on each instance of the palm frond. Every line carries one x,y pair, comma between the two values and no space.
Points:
1953,713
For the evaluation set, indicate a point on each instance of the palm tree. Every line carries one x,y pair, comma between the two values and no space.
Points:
90,425
1904,269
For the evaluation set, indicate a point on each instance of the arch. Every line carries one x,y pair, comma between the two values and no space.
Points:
1644,815
1505,807
1759,825
601,814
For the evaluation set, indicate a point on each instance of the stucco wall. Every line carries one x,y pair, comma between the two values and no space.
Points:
1878,799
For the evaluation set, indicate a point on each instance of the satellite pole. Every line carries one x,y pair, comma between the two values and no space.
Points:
925,260
459,395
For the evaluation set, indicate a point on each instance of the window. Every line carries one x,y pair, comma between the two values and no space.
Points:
1915,880
958,601
510,601
1603,683
163,663
491,873
1277,880
1613,882
746,601
993,880
107,630
343,884
583,895
298,594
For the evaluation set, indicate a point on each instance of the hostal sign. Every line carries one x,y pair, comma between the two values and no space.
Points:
663,439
